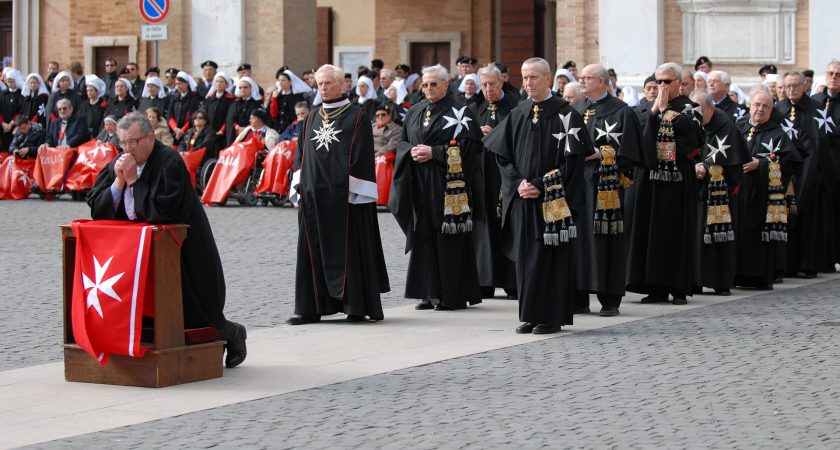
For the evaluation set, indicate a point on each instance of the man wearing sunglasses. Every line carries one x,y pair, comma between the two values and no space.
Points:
68,130
442,270
662,224
149,183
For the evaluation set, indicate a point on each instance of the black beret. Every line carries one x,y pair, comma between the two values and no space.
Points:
569,63
154,69
243,66
700,61
209,63
768,68
649,79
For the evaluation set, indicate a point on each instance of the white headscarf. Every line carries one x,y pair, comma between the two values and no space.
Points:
402,92
127,86
189,78
703,75
230,86
298,86
255,90
64,74
156,81
631,96
770,78
371,93
42,87
742,97
17,76
97,83
409,82
474,78
566,73
819,81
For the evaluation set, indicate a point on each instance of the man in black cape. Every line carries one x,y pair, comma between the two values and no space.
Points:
651,91
810,246
494,268
720,173
432,197
540,149
663,220
149,183
828,119
340,264
762,228
617,136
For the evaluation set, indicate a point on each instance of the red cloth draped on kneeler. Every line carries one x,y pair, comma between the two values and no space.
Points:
112,286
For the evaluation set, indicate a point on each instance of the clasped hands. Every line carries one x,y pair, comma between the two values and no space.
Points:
126,171
528,190
421,153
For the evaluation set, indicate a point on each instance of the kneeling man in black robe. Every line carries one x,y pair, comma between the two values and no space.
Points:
150,183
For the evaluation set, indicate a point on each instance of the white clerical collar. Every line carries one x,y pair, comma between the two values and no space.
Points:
540,101
337,104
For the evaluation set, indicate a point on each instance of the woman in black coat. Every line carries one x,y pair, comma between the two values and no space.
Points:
239,114
35,98
123,101
93,107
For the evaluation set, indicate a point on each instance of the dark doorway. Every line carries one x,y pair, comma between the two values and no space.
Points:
100,54
6,36
424,54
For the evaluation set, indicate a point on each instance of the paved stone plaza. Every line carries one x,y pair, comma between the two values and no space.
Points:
755,372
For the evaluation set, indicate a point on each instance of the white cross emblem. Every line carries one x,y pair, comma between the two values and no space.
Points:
721,148
460,121
609,133
563,135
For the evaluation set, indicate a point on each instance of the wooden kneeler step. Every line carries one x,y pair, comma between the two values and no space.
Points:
172,360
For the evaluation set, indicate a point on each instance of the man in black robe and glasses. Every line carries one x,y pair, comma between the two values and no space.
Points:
540,149
432,197
149,183
340,263
493,106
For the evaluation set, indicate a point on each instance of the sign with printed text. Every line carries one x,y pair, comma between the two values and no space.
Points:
154,11
155,32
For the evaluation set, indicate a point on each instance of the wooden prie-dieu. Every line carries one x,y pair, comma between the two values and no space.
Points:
173,359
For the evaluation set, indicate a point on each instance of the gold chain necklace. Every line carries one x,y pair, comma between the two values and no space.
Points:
328,116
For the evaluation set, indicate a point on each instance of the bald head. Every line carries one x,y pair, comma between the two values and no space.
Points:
594,81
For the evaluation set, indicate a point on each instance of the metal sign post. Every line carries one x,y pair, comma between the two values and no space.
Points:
154,12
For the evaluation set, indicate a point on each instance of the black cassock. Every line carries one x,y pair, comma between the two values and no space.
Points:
153,102
119,108
10,104
494,268
340,263
760,255
216,108
181,108
614,130
830,107
664,212
734,111
525,150
441,266
810,246
724,153
94,114
34,108
239,117
163,195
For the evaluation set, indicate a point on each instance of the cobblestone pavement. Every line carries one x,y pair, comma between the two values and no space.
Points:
760,372
257,246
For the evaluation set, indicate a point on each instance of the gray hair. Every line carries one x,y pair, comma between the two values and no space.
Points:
573,85
64,101
387,73
438,70
724,77
702,97
833,62
671,67
601,72
137,118
759,89
545,67
490,69
337,72
794,73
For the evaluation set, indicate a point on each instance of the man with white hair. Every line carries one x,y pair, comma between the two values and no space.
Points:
762,230
720,172
540,149
494,105
809,246
615,131
340,264
828,118
663,229
718,87
432,197
572,93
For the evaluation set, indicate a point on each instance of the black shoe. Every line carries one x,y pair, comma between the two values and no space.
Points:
765,287
355,318
723,292
377,319
300,320
511,294
525,328
809,275
424,305
545,329
609,312
680,301
652,299
779,280
488,292
236,349
582,310
442,307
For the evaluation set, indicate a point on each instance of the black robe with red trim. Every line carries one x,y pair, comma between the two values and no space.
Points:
663,217
340,262
216,109
164,195
527,149
441,267
239,117
181,108
10,104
